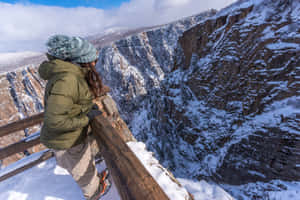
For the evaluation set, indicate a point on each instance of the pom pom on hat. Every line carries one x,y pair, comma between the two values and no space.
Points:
74,49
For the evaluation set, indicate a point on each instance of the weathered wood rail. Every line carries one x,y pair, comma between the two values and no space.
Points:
132,180
24,144
18,147
21,124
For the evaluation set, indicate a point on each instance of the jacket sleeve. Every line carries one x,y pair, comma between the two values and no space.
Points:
62,114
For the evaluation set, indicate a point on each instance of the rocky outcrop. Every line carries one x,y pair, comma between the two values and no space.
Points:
21,96
136,65
222,104
245,64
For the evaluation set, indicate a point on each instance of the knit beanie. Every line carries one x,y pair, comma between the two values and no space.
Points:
73,49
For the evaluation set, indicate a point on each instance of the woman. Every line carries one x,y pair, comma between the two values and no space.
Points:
72,85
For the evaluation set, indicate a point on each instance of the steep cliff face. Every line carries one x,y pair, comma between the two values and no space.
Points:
135,66
245,65
222,104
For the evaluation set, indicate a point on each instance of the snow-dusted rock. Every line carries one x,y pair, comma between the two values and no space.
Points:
21,95
222,104
241,67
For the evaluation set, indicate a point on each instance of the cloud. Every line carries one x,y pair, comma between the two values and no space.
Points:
165,4
26,27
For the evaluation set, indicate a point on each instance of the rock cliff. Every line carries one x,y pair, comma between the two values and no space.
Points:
244,67
21,95
221,103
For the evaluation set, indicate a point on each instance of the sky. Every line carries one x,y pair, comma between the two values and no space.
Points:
102,4
25,25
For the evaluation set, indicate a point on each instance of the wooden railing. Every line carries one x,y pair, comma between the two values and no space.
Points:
131,178
24,144
21,124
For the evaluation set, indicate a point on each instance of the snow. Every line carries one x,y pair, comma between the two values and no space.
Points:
292,193
204,191
274,190
268,33
282,45
32,136
40,182
172,189
271,116
20,163
235,7
8,58
47,181
14,61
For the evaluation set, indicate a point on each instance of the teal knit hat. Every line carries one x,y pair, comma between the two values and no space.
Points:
73,49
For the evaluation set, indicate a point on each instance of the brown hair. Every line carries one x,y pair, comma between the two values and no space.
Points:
94,81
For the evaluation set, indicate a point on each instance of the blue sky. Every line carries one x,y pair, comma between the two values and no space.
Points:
102,4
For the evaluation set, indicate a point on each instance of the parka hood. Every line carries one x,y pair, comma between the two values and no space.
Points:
50,68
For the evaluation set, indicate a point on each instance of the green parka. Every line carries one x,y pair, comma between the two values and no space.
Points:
67,100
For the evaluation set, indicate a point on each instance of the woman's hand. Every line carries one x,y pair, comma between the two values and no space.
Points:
94,112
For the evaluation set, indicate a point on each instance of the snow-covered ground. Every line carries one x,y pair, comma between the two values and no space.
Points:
273,190
11,61
47,181
8,58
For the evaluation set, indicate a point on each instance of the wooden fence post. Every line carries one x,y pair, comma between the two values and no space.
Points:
133,181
